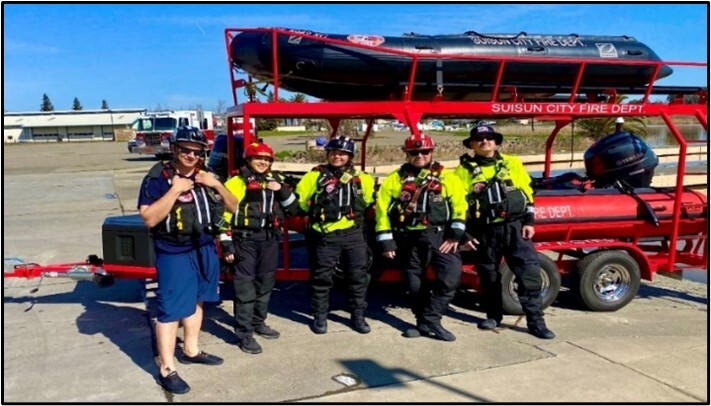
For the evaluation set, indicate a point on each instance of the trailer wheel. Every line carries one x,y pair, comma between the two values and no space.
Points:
550,286
607,280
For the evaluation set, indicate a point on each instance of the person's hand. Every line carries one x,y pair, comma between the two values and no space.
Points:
207,179
527,232
389,254
229,258
181,184
471,244
448,246
274,186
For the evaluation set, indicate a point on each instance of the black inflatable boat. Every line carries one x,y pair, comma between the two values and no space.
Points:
339,71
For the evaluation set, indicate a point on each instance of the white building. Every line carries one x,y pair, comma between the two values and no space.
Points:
72,125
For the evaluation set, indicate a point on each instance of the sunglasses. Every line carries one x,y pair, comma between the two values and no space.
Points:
187,151
423,152
484,138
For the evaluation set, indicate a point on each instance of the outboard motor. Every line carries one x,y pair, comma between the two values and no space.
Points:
218,155
620,156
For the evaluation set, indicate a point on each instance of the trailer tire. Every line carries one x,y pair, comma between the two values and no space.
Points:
551,285
606,280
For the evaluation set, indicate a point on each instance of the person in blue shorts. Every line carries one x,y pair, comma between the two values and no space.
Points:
177,201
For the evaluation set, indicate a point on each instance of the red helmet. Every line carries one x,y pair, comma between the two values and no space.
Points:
258,149
417,142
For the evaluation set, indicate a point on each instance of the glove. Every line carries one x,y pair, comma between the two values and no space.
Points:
388,245
227,245
466,237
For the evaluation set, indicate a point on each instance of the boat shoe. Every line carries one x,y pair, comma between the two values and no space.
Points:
201,358
173,383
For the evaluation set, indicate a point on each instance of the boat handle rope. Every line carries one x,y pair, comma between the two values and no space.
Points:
522,33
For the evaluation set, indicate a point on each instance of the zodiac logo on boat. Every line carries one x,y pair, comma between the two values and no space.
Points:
371,40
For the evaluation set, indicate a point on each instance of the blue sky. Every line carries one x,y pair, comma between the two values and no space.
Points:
173,55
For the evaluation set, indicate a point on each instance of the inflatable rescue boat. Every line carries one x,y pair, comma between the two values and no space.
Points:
342,67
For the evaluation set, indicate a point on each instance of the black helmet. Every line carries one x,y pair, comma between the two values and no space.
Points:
189,134
482,131
341,144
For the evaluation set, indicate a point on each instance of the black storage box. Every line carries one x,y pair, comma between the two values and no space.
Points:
620,156
127,241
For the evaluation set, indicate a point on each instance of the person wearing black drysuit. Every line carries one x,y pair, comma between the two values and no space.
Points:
336,196
251,243
501,218
420,218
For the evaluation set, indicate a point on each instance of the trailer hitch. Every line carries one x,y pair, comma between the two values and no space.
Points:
91,270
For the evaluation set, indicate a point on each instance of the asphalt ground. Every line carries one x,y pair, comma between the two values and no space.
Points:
74,342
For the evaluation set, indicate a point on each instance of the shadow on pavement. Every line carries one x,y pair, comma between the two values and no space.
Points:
371,374
126,327
290,300
649,291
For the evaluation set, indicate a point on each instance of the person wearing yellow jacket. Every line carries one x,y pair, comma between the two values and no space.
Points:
250,245
501,218
336,196
420,216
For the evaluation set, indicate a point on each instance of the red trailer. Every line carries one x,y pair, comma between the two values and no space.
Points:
605,240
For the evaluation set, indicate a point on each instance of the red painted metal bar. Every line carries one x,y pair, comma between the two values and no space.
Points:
680,171
650,85
285,263
411,80
703,118
364,143
559,124
578,80
497,82
228,41
231,123
425,109
335,123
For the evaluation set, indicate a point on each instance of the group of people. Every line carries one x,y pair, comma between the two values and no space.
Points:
424,213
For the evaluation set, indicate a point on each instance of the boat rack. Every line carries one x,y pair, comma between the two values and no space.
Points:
504,102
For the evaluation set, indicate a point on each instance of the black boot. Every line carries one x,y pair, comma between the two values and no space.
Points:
358,322
442,333
319,325
538,328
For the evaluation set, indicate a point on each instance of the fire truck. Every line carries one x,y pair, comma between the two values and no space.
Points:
602,241
153,130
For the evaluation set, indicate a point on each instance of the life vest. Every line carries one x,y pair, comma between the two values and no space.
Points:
337,197
420,201
259,209
195,212
494,199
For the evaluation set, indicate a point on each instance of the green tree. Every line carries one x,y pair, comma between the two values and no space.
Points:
76,105
268,124
104,105
597,128
297,98
46,103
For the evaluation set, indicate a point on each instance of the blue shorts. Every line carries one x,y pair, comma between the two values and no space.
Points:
182,284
